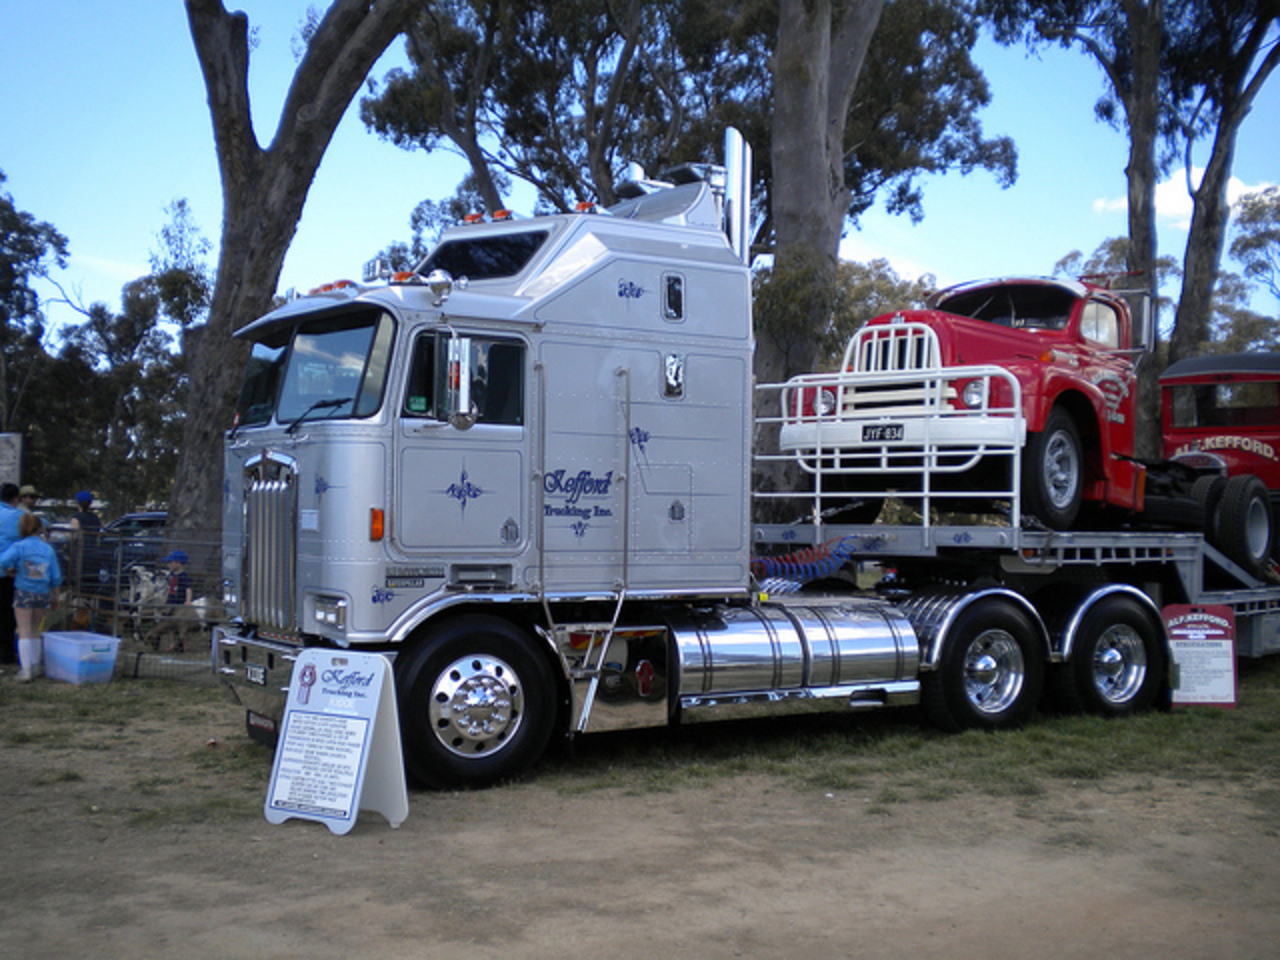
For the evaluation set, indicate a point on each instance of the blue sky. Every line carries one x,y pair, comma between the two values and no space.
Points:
105,123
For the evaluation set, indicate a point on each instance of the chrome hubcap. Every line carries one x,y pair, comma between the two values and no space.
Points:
994,671
1061,470
1119,664
477,704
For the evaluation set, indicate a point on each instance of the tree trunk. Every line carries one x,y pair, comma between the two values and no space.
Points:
1145,24
815,69
263,192
1210,213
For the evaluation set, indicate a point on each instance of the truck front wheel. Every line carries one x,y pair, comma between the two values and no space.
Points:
477,704
1053,472
1118,664
991,671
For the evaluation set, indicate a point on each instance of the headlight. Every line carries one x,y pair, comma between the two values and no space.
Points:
826,402
974,394
331,612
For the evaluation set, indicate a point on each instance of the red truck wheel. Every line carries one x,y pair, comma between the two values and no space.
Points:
1053,472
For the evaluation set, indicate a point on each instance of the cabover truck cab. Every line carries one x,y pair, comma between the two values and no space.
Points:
521,472
987,368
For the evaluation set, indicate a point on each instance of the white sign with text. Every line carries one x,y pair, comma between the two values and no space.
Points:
339,749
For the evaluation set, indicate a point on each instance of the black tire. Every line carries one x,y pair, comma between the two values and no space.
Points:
1053,472
1244,523
1118,663
1207,491
1177,513
477,704
991,672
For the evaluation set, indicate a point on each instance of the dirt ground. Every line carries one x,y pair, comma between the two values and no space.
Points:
145,838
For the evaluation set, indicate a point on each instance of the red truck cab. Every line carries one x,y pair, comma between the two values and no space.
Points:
1223,412
1070,348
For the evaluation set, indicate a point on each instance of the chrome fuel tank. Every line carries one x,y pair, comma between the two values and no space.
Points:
862,651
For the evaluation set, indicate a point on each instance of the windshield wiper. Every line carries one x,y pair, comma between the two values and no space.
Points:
318,405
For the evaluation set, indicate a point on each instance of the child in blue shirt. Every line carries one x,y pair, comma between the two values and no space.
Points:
35,589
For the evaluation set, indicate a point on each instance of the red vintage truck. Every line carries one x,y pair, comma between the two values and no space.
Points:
1221,415
1020,391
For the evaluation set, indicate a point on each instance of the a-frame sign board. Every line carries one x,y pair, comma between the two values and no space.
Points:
339,749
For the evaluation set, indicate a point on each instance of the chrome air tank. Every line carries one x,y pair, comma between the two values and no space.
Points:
859,651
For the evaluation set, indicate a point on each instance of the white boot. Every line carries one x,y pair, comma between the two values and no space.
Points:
29,651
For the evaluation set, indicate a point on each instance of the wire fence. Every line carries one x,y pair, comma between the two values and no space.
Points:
119,583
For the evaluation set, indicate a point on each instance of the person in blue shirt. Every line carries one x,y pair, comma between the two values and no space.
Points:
179,581
35,589
10,514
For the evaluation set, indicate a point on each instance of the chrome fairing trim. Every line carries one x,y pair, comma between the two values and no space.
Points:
932,615
1072,627
772,703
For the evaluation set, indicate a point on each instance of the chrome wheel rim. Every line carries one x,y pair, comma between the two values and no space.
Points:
1061,469
1119,664
994,671
476,706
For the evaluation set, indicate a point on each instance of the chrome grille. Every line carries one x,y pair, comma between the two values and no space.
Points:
270,519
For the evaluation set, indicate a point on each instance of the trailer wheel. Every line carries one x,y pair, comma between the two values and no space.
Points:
991,672
1244,523
1053,472
1207,492
1118,664
477,704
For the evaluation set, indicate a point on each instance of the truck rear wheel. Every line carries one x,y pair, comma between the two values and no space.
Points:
1118,664
1244,523
1053,472
991,671
477,704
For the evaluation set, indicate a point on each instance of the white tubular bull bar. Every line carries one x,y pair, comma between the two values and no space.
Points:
894,420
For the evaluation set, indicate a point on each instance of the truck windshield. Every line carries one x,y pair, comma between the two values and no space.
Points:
1239,403
332,368
1014,305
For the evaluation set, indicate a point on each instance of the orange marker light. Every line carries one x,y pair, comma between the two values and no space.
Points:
377,524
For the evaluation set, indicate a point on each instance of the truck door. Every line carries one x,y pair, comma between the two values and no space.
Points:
460,479
1112,372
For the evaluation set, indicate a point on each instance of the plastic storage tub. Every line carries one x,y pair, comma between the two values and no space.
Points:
78,656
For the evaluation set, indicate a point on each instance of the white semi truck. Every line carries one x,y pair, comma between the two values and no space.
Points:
523,472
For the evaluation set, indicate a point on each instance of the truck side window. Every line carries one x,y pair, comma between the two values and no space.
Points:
497,382
1098,323
497,379
419,399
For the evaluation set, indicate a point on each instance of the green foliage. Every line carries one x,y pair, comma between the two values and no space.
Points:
1257,241
787,298
105,411
561,96
916,105
28,248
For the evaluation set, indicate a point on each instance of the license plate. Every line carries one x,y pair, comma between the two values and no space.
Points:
880,432
255,673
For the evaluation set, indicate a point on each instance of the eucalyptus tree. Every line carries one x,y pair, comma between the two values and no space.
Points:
1223,54
264,190
28,249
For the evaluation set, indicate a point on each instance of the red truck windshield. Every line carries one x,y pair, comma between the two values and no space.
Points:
1042,306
